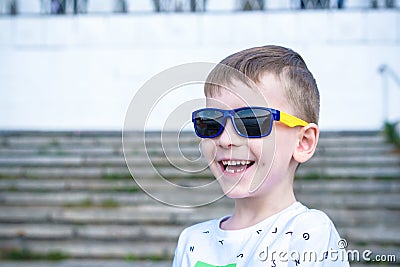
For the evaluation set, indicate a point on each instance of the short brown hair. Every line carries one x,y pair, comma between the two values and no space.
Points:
300,86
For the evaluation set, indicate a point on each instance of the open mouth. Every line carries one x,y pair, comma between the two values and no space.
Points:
235,166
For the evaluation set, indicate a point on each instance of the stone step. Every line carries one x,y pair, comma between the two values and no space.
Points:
121,263
366,160
120,161
190,197
189,141
124,249
189,145
192,151
139,141
114,232
139,233
352,201
158,214
341,150
349,172
346,186
115,139
155,214
96,172
360,217
129,185
173,173
105,199
94,263
371,235
95,248
351,140
72,184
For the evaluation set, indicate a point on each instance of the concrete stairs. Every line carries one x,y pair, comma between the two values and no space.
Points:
69,196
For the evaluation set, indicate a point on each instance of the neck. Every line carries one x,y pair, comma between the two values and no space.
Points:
252,210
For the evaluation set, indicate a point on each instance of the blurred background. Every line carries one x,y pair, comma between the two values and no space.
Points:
70,68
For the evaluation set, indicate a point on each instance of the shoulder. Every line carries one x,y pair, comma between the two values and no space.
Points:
311,218
300,217
314,227
314,236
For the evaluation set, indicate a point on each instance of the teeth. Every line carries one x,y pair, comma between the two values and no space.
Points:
235,162
230,171
235,166
235,170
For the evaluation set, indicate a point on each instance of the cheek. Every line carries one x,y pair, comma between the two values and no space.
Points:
264,150
285,145
208,149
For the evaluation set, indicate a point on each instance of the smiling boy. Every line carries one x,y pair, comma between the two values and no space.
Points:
260,123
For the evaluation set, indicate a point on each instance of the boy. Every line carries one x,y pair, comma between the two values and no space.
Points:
254,150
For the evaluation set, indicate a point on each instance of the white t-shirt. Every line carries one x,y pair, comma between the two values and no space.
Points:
296,236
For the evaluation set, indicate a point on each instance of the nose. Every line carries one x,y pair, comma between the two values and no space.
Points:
229,137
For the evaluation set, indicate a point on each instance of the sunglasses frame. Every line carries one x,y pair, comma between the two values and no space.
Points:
277,115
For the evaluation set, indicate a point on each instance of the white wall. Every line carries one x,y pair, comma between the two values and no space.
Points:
67,72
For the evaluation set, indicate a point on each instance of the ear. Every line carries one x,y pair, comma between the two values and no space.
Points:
306,143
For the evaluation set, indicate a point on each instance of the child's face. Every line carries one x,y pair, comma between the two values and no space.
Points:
266,160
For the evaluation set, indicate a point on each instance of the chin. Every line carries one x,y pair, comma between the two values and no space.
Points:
234,187
235,191
237,195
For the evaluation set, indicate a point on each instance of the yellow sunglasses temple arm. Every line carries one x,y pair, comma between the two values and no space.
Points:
291,120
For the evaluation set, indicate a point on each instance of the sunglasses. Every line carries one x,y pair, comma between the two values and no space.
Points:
250,122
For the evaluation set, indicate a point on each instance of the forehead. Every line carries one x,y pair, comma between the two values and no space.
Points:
268,92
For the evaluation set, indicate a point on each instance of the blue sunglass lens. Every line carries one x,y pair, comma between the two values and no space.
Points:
253,122
209,123
249,122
